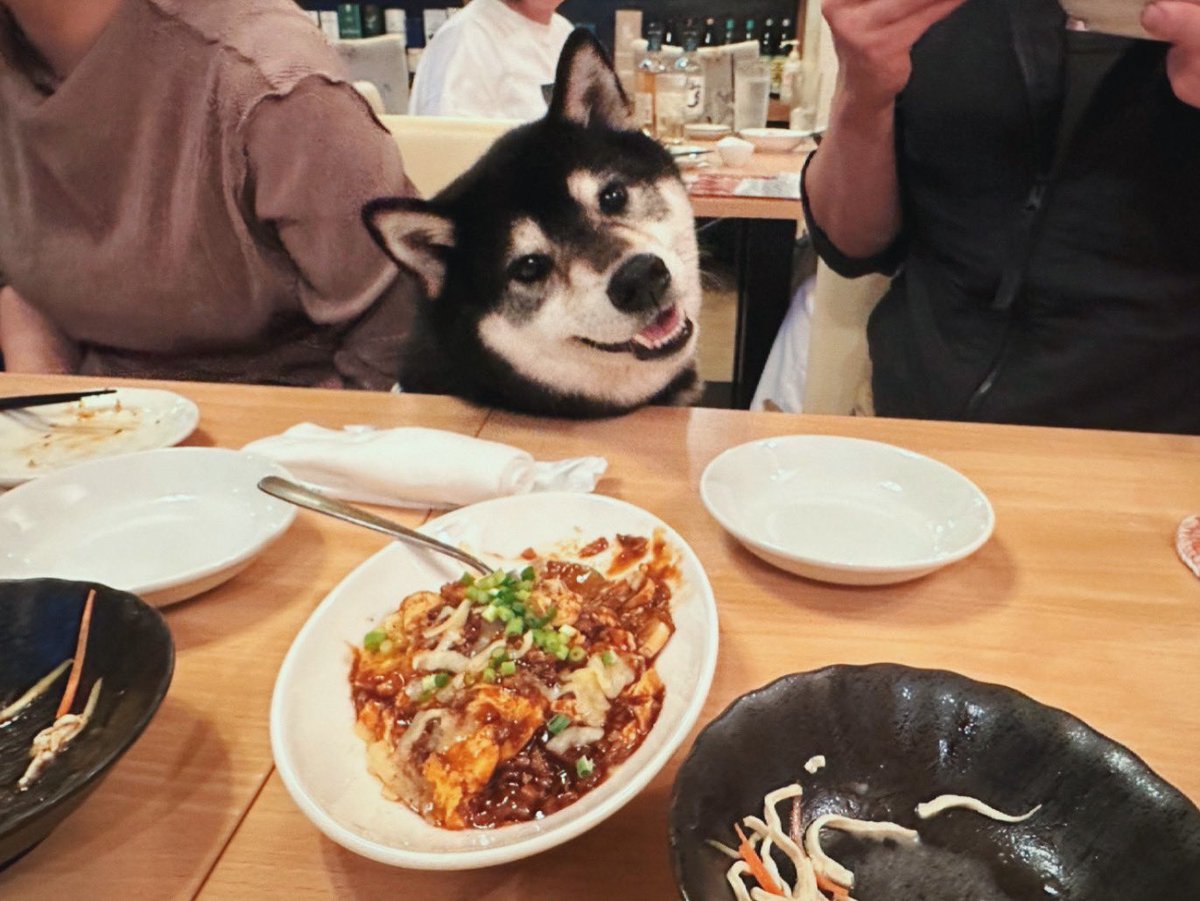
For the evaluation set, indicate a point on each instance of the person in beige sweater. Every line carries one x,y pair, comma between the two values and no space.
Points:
180,195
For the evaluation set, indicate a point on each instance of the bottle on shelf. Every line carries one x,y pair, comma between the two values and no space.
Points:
750,32
730,31
785,41
670,33
710,32
644,80
767,38
789,75
693,77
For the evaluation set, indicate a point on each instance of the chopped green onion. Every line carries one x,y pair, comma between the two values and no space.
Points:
441,680
515,626
518,607
373,639
576,654
489,675
528,574
566,630
499,655
561,652
490,612
557,723
508,668
504,614
608,658
522,594
429,683
584,767
467,579
476,595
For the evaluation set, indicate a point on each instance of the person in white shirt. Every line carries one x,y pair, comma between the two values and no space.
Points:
495,59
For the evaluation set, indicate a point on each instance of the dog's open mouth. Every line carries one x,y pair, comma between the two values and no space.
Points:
669,332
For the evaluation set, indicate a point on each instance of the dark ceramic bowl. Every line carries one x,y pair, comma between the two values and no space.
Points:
895,736
129,646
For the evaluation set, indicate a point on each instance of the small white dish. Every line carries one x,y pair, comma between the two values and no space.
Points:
164,524
40,440
735,152
705,131
774,140
845,510
323,763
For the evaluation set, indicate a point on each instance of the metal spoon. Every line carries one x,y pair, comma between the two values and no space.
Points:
314,500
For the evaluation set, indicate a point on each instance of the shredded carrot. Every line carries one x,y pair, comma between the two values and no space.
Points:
85,623
757,869
839,892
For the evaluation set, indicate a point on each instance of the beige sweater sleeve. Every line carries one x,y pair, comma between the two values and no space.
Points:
315,156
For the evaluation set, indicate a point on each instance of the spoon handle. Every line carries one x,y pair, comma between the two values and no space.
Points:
313,500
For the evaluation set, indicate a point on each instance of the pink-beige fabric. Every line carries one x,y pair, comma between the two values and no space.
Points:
186,203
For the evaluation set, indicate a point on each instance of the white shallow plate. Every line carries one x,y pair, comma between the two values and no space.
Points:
705,131
846,510
39,440
774,140
164,524
323,763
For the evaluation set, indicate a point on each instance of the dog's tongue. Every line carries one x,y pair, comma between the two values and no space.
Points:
662,327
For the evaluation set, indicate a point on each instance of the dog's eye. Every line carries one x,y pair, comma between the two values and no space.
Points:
530,268
613,198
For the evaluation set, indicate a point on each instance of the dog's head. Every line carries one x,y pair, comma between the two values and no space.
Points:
561,270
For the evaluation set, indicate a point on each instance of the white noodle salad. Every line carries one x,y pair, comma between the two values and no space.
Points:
754,872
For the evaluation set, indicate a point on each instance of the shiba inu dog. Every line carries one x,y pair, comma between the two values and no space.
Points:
561,269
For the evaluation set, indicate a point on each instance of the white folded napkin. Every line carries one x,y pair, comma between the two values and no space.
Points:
415,467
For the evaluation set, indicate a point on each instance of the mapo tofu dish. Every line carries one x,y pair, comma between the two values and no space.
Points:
505,698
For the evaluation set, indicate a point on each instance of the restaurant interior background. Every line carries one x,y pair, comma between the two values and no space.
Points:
771,22
599,15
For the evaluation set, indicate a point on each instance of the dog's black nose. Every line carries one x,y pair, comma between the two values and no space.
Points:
639,283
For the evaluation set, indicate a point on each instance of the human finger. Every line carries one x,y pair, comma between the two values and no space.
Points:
1174,21
1178,23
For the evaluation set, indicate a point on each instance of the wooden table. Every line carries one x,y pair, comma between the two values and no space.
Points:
765,231
1078,600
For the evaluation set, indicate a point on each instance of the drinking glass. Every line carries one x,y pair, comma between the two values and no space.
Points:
670,106
751,93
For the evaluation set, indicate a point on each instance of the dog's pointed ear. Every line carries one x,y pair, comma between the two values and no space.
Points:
586,88
415,235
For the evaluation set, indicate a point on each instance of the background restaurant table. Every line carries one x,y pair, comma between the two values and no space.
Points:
1078,600
764,237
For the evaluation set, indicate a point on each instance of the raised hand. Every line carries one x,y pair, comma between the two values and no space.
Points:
1178,23
873,39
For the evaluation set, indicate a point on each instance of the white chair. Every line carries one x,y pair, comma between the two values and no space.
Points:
382,61
437,149
839,365
371,94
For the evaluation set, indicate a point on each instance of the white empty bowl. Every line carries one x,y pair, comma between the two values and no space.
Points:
162,524
774,140
734,151
705,131
846,510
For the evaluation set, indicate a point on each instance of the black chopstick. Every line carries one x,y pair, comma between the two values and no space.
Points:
19,401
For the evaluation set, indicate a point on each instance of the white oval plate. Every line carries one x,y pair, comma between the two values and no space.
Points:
775,140
163,524
323,763
846,510
40,440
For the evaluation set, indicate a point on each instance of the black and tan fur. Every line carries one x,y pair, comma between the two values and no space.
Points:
570,237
